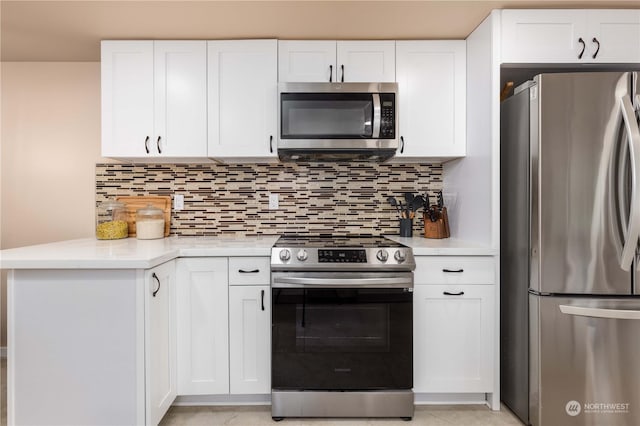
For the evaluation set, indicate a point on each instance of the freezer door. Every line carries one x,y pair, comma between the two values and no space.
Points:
584,361
583,179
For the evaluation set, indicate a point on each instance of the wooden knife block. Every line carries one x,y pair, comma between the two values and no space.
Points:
438,229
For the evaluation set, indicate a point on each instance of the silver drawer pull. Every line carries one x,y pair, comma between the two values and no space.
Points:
253,271
453,270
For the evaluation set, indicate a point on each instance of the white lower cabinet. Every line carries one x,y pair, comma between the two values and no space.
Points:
250,339
453,338
160,340
203,325
224,326
454,323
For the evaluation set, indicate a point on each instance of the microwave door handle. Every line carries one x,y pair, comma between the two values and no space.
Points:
376,115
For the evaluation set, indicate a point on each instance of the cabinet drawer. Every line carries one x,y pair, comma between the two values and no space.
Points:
455,270
249,270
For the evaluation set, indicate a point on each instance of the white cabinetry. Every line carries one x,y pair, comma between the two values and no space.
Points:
242,99
160,340
224,325
432,85
203,325
250,341
109,353
154,101
249,325
336,61
454,325
570,36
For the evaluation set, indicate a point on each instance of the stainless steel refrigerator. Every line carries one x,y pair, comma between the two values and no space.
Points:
570,221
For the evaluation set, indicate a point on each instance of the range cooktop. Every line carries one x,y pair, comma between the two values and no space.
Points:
329,241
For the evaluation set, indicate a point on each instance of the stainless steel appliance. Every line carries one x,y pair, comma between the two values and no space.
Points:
342,327
337,121
570,218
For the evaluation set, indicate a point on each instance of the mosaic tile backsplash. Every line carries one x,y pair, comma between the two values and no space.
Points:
314,198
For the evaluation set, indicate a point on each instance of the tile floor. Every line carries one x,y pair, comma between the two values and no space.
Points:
430,415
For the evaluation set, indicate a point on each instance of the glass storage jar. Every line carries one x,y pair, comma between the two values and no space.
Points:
111,221
149,223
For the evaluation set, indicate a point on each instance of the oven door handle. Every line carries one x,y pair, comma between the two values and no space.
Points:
298,282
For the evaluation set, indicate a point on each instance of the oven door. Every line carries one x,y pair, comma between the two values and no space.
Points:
342,336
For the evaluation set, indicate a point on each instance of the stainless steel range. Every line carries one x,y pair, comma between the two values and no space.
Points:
342,327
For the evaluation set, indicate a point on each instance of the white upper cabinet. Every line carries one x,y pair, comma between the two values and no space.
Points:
127,97
570,36
242,81
365,61
432,102
331,61
154,99
306,61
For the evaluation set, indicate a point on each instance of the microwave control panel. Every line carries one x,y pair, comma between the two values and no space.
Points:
387,116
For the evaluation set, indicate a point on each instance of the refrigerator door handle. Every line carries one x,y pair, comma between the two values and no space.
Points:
600,312
633,136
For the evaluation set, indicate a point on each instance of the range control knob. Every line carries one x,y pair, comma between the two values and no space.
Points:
285,255
302,255
382,255
400,256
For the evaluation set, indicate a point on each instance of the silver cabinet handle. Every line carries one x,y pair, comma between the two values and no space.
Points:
158,145
271,144
146,144
402,147
633,231
600,312
342,77
330,73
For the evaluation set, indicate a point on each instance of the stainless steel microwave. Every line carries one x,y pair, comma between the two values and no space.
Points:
337,121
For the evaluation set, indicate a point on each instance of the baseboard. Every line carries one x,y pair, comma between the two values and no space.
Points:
3,352
450,398
223,400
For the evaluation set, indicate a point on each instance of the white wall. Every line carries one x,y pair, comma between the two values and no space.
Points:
49,142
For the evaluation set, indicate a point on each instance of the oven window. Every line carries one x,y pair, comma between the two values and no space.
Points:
326,115
347,339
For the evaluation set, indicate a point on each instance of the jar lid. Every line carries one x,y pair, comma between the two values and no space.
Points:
150,210
112,205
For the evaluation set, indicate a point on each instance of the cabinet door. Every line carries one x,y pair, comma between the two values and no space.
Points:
432,86
366,61
203,326
127,97
546,36
306,61
243,98
453,338
180,73
250,339
160,341
616,33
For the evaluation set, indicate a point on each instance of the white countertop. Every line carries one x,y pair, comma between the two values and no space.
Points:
130,253
444,247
